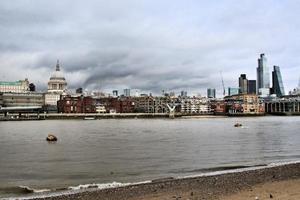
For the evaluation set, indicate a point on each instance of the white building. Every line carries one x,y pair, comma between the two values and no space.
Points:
195,106
15,87
57,86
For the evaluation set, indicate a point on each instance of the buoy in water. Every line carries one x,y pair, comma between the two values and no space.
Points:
51,138
237,125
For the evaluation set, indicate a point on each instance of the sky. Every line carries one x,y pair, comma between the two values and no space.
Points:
149,45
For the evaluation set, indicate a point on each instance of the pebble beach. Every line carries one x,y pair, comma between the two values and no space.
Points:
275,182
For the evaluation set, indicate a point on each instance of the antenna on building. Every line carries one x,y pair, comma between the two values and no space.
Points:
222,83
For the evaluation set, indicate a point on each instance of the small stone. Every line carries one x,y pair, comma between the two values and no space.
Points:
256,198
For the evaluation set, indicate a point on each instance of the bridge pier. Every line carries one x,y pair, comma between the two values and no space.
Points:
171,111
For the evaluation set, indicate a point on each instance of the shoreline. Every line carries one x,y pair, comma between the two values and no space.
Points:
218,185
90,116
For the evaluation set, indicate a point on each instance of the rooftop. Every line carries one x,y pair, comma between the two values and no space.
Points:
10,83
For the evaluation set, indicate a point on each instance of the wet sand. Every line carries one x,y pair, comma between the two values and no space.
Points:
279,181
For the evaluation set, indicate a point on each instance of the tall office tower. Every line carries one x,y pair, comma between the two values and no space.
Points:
277,84
183,93
127,92
243,84
251,86
211,93
263,77
115,93
233,91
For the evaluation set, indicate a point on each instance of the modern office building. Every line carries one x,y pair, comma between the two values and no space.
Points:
243,84
127,92
115,93
15,87
277,84
233,91
183,93
251,87
263,77
211,93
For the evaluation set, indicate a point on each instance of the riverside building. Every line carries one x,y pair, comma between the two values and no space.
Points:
15,87
244,104
27,99
195,106
286,105
57,86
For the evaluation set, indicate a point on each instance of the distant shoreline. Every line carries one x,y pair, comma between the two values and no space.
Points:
210,187
93,116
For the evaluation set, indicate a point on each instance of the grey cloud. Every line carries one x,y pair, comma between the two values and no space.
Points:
148,45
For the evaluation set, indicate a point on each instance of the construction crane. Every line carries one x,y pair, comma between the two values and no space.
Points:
222,83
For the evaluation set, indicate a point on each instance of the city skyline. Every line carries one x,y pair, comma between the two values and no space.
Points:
148,45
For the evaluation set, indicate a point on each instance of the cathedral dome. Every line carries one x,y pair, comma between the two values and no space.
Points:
57,74
57,82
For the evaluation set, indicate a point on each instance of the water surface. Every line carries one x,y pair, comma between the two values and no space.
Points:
131,150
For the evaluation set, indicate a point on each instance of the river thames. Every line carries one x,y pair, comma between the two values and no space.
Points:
134,150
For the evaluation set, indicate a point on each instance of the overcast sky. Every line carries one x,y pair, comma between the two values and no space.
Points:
149,45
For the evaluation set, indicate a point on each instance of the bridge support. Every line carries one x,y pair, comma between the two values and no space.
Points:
171,111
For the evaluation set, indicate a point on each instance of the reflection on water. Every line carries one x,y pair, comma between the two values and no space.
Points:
129,150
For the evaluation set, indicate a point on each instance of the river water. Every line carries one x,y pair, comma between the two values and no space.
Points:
133,150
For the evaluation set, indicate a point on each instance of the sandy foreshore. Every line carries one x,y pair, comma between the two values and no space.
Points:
277,182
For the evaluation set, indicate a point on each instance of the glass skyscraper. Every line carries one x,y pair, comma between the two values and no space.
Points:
243,84
263,76
233,91
211,93
278,88
251,86
127,92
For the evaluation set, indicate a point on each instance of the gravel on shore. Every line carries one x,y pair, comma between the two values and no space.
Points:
203,187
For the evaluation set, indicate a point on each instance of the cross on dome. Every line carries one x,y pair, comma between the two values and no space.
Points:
57,66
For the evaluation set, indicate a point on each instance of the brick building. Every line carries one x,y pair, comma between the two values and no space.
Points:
76,104
244,104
